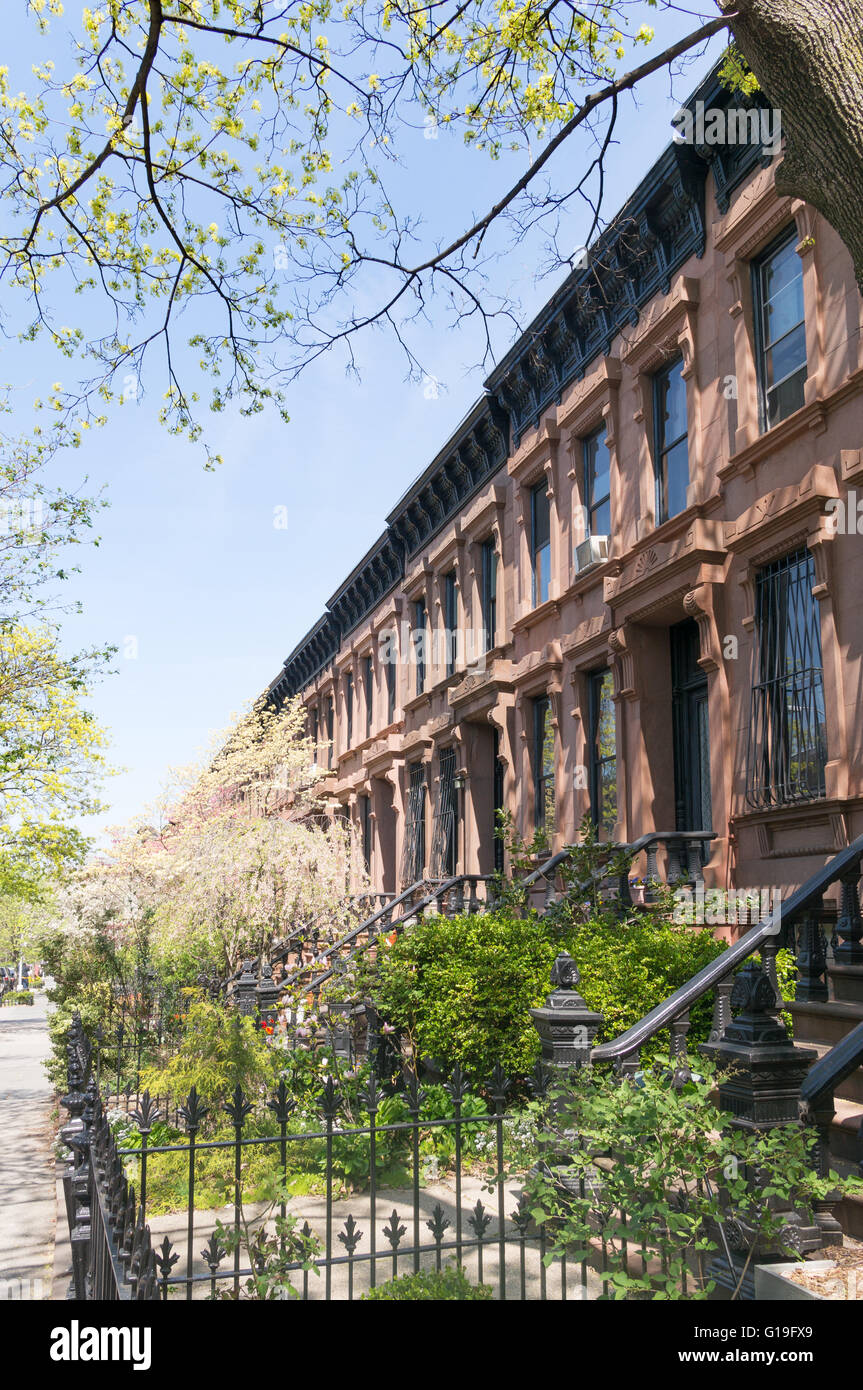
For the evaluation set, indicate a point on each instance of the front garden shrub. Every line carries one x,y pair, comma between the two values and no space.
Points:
630,965
444,1285
219,1050
644,1176
462,988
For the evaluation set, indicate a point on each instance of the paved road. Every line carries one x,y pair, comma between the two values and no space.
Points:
28,1207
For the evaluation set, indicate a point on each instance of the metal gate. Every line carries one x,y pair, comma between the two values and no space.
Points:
443,851
414,854
787,745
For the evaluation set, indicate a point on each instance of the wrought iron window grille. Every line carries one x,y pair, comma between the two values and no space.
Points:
787,737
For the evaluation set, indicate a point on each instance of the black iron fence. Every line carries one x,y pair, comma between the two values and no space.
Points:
393,1195
120,1055
112,1254
330,1192
388,1178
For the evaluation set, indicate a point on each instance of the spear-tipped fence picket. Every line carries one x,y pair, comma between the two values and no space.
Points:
354,1244
475,1217
112,1254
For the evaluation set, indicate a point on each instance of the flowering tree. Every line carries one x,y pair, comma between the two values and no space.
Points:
263,764
246,850
101,918
50,755
240,155
253,852
237,884
241,851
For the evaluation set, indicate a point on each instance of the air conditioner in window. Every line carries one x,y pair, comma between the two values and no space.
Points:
591,552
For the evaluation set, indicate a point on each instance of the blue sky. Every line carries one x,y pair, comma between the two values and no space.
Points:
199,589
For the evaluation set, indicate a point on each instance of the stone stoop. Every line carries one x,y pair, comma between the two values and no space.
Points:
820,1025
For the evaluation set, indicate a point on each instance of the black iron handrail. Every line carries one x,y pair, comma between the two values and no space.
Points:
654,837
283,948
370,927
771,926
828,1073
368,923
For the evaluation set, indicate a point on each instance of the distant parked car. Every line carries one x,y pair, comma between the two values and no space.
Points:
8,978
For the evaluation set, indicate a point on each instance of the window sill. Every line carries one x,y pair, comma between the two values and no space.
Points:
808,417
549,609
370,740
417,701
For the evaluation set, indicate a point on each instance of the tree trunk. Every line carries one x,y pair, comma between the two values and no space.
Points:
808,58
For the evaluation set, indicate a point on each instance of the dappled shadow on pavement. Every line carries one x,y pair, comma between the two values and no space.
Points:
27,1179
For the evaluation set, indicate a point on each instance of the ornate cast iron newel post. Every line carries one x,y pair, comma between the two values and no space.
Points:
267,996
762,1093
243,997
811,957
566,1026
850,925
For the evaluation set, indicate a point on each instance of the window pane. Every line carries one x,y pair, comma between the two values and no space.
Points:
605,745
602,476
677,478
489,592
543,765
784,310
786,356
783,400
548,746
450,590
671,443
540,526
450,620
419,645
600,519
541,516
782,357
541,575
608,796
598,480
782,269
603,751
672,404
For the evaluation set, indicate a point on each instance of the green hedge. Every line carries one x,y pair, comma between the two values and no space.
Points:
462,988
429,1284
17,996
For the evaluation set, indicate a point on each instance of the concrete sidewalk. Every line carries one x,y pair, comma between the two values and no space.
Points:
28,1201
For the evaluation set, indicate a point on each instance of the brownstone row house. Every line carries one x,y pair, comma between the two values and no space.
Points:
625,585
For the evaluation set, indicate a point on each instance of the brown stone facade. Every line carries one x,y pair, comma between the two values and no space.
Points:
696,668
